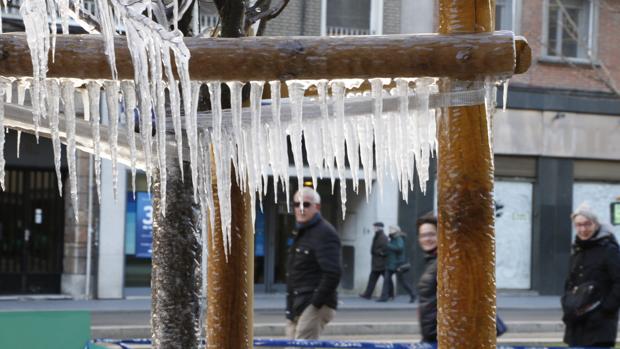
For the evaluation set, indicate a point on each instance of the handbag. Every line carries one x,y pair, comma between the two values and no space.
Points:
579,300
500,326
403,267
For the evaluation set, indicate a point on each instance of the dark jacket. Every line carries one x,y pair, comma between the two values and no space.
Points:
427,298
594,260
395,252
377,250
313,267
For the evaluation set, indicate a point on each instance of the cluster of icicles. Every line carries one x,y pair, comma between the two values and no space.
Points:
384,141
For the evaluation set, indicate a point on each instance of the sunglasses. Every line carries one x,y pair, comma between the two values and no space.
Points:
306,204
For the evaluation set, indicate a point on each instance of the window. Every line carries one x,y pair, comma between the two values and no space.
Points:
508,15
351,17
569,26
503,15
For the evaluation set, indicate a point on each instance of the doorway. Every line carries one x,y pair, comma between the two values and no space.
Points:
31,232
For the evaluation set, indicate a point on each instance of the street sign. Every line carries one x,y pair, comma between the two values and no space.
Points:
615,213
144,225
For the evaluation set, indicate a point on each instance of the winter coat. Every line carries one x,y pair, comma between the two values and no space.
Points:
594,260
395,252
427,298
377,250
313,267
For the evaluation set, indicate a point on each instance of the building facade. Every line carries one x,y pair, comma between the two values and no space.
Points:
556,145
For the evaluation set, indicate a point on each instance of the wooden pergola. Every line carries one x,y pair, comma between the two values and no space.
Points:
465,49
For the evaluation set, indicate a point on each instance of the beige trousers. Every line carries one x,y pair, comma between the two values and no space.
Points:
310,323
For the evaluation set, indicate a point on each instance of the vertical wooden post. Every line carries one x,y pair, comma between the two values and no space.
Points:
175,277
230,278
466,252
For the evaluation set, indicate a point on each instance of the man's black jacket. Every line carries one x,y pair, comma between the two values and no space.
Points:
313,267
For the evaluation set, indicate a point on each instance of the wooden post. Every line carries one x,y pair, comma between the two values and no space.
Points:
230,278
466,252
175,277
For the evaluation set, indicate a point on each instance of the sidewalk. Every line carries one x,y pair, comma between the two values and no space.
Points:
526,315
262,302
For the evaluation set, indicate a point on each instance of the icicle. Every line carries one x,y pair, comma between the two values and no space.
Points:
175,107
68,90
223,189
279,153
94,94
22,85
378,130
111,91
34,15
326,131
192,135
107,30
365,136
85,108
160,102
422,91
256,96
52,10
235,106
505,96
63,9
338,91
296,90
53,102
129,96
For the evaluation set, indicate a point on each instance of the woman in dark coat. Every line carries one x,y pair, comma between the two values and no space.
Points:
427,286
377,251
592,291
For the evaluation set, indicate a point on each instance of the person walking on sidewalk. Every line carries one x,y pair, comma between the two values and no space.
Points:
313,269
427,286
592,290
377,262
396,264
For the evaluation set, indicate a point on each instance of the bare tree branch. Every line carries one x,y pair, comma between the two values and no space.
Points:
263,11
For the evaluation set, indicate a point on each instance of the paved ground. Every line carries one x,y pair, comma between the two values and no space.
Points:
530,318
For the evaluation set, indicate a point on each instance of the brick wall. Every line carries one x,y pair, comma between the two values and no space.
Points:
289,22
572,76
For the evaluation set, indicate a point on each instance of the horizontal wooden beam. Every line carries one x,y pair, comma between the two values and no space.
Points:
467,56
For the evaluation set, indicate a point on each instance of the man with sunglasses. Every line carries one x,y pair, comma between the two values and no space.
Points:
313,269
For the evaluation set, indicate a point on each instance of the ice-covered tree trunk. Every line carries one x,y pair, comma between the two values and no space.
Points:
466,250
231,277
175,278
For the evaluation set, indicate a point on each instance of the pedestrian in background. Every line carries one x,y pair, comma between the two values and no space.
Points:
427,285
396,264
313,269
592,290
377,260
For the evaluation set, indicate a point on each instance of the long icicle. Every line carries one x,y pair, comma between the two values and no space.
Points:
53,101
129,97
68,90
94,95
111,92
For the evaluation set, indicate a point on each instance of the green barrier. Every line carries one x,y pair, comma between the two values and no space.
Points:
44,330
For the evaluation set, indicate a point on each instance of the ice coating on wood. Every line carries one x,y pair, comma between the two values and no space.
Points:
505,95
175,106
68,90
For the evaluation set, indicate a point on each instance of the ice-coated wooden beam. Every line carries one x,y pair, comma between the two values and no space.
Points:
461,56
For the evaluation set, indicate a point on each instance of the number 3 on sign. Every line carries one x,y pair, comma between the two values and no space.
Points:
148,215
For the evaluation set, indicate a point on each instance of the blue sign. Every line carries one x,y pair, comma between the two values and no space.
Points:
259,234
144,225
